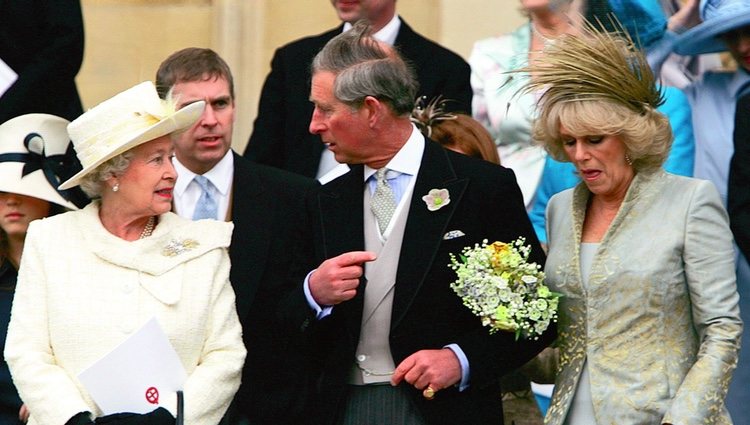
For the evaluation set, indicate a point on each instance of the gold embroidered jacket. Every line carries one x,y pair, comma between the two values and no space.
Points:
659,325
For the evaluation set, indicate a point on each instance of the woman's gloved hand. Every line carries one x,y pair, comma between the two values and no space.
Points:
83,418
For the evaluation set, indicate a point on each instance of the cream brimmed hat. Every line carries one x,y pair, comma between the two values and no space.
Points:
35,153
719,17
129,119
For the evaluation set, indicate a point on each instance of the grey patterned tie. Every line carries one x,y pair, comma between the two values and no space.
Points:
207,206
383,203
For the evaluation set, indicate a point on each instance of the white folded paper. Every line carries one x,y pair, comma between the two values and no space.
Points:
7,77
133,376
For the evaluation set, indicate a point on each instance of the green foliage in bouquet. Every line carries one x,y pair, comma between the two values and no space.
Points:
498,284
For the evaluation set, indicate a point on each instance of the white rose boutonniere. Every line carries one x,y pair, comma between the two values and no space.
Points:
436,199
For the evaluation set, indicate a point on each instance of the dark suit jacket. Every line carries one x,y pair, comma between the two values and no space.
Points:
485,203
738,196
10,402
268,216
280,135
42,41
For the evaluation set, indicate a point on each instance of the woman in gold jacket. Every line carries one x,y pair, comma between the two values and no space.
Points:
649,324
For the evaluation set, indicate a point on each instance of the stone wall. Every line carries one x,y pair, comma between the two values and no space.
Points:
127,39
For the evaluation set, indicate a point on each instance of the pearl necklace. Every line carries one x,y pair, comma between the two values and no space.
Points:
149,228
545,40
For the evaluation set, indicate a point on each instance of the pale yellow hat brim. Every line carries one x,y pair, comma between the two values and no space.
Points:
180,120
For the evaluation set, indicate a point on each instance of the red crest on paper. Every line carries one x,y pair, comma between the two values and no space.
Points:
152,395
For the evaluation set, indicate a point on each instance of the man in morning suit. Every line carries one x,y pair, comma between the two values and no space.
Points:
739,177
265,206
738,206
42,42
280,137
393,343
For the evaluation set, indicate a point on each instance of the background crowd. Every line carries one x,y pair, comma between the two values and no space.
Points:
304,280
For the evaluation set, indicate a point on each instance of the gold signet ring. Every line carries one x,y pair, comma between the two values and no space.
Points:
428,393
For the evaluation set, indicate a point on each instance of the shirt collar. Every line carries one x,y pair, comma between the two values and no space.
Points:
387,34
408,159
220,176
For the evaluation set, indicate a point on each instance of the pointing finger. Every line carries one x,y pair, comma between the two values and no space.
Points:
355,258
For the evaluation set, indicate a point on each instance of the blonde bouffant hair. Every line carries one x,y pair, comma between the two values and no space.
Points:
647,136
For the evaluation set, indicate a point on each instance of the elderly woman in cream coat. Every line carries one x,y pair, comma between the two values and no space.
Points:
90,279
649,325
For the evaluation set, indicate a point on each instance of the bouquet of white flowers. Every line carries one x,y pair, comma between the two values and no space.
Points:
501,287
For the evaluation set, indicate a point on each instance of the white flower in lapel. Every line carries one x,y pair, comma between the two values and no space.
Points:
436,199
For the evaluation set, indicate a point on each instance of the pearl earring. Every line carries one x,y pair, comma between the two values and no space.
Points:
628,160
116,187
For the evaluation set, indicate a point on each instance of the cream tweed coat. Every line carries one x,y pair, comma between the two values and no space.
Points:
81,291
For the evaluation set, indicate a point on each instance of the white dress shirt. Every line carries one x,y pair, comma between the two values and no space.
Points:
187,191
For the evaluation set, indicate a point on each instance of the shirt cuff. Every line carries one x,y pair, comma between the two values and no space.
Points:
464,384
320,311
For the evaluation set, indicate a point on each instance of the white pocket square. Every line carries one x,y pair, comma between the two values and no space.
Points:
453,234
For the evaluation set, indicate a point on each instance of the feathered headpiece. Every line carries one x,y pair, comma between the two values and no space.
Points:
595,65
427,114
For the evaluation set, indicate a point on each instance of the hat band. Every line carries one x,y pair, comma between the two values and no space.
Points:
54,167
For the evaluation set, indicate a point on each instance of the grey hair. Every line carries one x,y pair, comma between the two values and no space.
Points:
92,183
364,68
